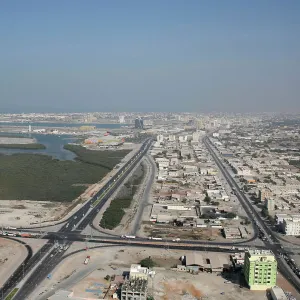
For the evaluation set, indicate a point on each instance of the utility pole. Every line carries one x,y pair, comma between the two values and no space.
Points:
91,234
41,225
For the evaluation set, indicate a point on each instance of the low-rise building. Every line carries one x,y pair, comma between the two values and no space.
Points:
137,271
291,226
232,233
277,293
165,213
200,223
243,231
211,262
238,258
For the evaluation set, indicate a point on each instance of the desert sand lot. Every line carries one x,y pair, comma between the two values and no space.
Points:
74,276
16,140
12,255
176,286
24,213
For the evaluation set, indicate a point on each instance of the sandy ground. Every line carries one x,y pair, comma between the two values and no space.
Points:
12,255
35,244
74,276
169,285
15,140
23,213
190,233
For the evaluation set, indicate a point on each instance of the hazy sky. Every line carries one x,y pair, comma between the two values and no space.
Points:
158,55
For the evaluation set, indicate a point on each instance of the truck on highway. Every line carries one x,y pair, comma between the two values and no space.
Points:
25,235
176,240
154,238
128,236
87,259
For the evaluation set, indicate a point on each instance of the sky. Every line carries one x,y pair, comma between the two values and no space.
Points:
158,55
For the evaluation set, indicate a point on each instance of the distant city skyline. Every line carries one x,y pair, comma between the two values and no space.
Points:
202,56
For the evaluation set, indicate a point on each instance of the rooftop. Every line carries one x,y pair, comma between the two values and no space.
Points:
135,285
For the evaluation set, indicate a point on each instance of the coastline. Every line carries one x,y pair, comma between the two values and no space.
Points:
31,146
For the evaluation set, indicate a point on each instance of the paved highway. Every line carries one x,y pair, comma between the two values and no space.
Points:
77,236
271,241
50,256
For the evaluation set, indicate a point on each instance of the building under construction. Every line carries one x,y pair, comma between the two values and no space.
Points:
134,289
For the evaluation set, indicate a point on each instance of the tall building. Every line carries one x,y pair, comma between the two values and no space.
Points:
264,194
270,204
160,138
196,136
139,123
121,119
260,269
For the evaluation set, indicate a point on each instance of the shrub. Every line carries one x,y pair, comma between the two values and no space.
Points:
147,262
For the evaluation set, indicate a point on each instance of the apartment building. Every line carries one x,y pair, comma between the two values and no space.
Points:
291,226
260,269
270,204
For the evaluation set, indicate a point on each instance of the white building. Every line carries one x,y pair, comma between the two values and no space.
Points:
160,138
280,217
291,227
277,293
172,138
270,204
121,119
137,271
196,136
183,139
174,161
243,171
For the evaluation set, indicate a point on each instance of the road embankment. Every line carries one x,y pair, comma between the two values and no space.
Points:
31,146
